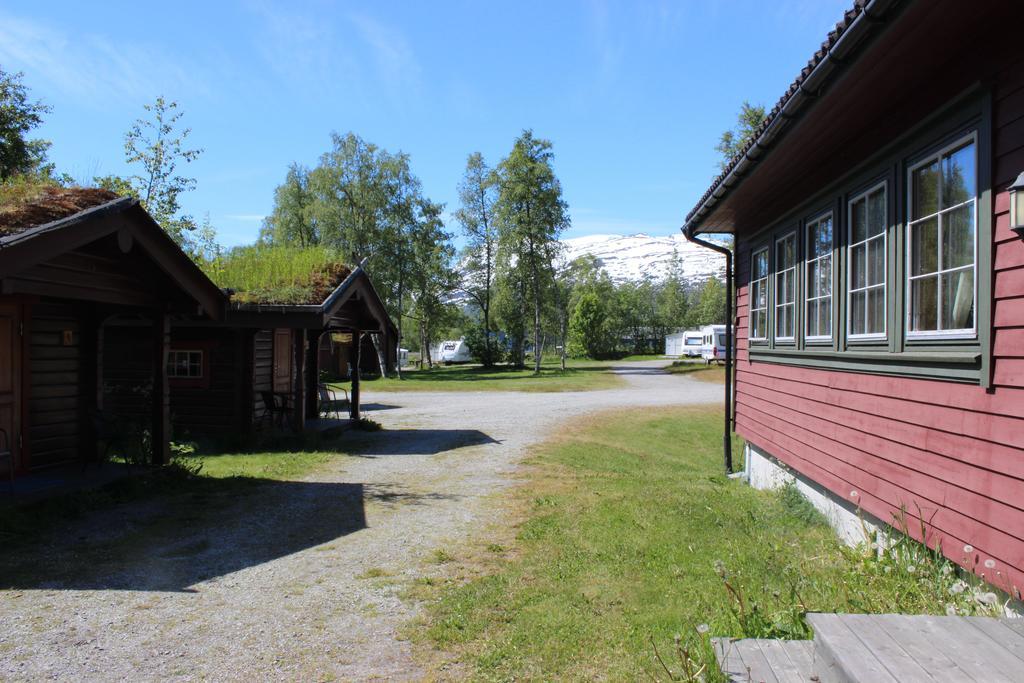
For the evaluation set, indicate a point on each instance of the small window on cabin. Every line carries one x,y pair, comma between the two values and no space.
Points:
785,287
759,294
867,263
185,364
941,243
819,279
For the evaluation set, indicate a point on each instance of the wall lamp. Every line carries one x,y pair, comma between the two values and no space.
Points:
1017,206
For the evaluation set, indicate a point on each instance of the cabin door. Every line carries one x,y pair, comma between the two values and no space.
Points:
282,360
10,387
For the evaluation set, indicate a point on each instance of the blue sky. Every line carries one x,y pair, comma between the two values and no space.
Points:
633,95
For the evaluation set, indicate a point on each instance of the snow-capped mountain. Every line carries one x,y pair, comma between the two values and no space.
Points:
632,257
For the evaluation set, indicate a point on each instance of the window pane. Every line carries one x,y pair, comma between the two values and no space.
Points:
926,190
825,237
762,295
758,324
790,286
876,311
825,316
923,304
825,276
876,213
812,319
813,279
958,237
958,176
857,324
876,262
924,248
858,266
958,300
858,221
760,264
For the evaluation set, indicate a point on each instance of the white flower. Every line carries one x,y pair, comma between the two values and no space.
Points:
990,564
957,588
988,598
968,548
911,568
854,494
950,611
703,628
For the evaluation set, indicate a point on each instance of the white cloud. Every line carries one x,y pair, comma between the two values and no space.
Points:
93,68
396,63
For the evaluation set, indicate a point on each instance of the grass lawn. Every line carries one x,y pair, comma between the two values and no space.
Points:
630,534
578,376
698,370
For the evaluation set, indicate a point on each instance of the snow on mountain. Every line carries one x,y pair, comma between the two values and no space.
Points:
632,257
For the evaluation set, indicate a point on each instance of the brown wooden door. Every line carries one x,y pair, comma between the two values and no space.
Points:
283,360
10,383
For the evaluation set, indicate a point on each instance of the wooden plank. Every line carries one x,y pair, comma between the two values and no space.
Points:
783,665
1001,633
756,661
841,656
916,638
897,660
970,649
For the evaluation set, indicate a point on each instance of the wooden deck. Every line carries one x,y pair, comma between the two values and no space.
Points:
886,648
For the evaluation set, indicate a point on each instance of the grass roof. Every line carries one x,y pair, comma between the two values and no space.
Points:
278,275
29,202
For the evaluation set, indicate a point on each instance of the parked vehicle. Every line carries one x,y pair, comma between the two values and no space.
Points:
452,351
693,340
712,347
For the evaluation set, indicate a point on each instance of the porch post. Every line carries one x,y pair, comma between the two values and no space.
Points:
299,388
357,339
161,433
313,376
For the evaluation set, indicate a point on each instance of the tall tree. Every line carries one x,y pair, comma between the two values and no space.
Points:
531,215
18,116
292,220
733,141
156,147
478,194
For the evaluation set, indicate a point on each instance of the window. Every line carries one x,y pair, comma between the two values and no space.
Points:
785,287
941,236
185,364
759,294
868,226
818,276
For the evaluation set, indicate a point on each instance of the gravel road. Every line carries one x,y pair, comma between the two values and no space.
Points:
305,583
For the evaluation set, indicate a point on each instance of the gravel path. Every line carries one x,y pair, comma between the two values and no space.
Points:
282,587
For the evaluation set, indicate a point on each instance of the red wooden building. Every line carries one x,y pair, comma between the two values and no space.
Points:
879,287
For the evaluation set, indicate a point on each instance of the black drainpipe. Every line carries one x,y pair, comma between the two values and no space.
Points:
727,434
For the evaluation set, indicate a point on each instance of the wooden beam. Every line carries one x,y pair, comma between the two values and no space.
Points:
161,433
299,387
358,344
313,375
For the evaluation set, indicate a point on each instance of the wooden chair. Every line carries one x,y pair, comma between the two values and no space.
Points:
276,407
330,403
7,455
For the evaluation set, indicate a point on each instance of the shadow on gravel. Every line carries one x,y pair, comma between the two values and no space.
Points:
414,442
201,530
368,407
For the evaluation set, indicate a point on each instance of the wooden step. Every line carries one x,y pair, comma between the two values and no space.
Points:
759,660
893,648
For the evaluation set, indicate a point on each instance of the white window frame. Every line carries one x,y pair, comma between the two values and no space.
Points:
963,333
764,285
832,276
775,282
171,357
850,291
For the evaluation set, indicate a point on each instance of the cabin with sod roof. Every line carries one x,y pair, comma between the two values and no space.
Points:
260,367
111,337
879,275
82,272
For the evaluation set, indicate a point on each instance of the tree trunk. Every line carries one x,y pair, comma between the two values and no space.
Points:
381,361
398,341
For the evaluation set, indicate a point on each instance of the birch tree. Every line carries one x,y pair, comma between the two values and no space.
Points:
477,197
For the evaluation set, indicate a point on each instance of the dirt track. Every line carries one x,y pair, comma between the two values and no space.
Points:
301,582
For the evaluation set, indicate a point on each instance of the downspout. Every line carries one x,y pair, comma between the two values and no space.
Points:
727,433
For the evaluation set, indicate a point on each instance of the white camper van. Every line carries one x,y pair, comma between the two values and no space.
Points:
712,347
449,352
693,340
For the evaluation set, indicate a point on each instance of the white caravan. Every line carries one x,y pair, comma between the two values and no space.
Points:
712,347
449,352
683,344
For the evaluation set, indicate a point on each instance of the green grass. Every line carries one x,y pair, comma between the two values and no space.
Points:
698,370
578,376
631,534
278,274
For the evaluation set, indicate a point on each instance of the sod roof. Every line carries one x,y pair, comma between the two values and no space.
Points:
40,205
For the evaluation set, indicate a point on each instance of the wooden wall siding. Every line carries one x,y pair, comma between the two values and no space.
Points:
948,452
128,373
54,398
83,275
263,367
211,410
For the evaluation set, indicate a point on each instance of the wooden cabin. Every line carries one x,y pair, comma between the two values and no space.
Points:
224,373
81,273
880,289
